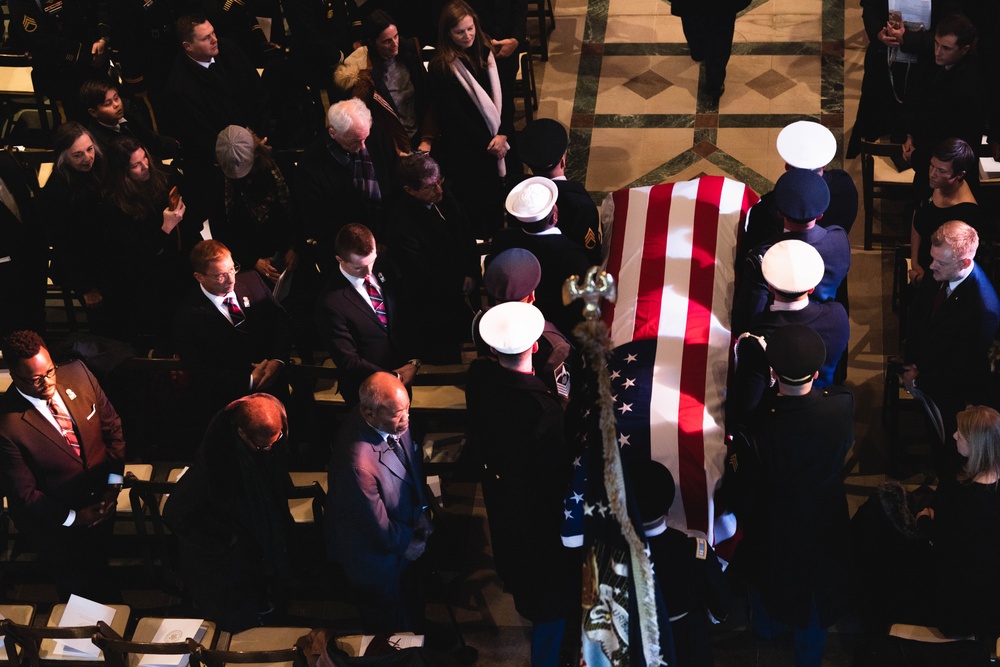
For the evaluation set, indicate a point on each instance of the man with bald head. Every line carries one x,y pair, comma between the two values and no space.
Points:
377,520
230,511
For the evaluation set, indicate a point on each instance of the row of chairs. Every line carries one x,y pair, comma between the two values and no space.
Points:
31,646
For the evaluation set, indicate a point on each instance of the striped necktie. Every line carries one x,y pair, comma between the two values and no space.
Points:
377,303
65,425
234,311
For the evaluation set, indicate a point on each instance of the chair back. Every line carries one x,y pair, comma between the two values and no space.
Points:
29,639
272,657
117,650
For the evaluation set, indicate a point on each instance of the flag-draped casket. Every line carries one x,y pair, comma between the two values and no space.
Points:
672,253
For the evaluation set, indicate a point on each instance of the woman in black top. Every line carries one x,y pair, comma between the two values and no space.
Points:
472,122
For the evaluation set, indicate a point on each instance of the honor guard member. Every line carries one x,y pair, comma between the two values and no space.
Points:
797,532
806,145
542,145
516,428
801,196
792,269
532,203
513,275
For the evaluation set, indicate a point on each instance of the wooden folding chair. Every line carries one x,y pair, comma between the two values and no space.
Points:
119,652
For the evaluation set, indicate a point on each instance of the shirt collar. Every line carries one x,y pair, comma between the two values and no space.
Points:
210,62
798,304
215,298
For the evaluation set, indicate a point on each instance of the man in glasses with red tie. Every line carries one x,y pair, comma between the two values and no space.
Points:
62,456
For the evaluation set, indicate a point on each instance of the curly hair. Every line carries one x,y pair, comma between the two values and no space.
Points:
20,345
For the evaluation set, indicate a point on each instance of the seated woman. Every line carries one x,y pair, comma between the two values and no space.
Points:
952,199
71,202
145,241
473,124
963,525
388,74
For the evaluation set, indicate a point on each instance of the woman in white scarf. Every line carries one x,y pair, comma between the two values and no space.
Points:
473,124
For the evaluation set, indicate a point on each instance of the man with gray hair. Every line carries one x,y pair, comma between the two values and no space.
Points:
347,176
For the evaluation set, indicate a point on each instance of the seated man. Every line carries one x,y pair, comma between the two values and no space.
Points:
953,322
347,176
542,145
230,512
230,332
792,270
62,456
376,515
356,316
532,202
107,120
801,196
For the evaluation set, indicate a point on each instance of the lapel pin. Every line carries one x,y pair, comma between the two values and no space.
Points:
71,394
246,302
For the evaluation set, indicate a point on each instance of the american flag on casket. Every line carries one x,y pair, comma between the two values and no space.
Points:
672,253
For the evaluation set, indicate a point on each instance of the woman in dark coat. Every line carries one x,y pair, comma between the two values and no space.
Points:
472,122
71,207
145,237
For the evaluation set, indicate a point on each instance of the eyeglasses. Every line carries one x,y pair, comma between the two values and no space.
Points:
248,440
219,277
39,380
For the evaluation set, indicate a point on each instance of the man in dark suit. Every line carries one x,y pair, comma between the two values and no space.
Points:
801,196
542,145
62,456
516,427
356,315
952,324
708,29
532,202
430,241
348,176
231,333
23,249
230,512
377,520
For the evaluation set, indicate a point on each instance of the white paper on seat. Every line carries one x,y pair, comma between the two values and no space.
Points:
399,641
173,630
79,612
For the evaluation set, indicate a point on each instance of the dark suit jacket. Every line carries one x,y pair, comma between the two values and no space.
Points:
578,218
560,258
230,511
327,199
40,474
950,347
160,146
201,102
356,339
23,252
374,502
218,354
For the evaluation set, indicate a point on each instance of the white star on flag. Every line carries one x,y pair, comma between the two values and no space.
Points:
626,407
615,375
623,440
629,382
630,358
568,514
577,496
588,509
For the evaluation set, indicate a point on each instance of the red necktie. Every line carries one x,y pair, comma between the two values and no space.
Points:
939,299
234,311
377,303
65,425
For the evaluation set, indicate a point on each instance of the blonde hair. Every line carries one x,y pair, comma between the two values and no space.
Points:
980,426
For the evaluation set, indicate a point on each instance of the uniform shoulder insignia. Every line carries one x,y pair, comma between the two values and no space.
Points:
701,548
29,24
562,379
590,240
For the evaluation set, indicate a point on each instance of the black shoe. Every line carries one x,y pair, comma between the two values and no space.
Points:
716,93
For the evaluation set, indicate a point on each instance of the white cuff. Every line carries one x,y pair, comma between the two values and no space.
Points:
70,518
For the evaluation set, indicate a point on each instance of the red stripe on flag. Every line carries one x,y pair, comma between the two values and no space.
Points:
654,262
694,365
